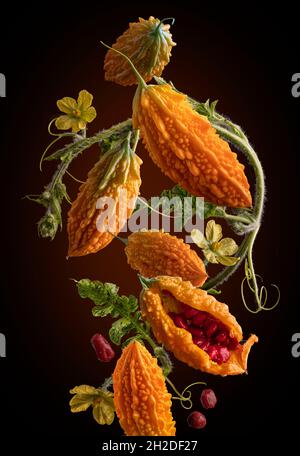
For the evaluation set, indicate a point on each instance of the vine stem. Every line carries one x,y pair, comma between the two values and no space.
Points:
180,396
69,157
246,248
235,218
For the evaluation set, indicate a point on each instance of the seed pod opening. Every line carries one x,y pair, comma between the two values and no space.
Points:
154,253
142,401
198,329
148,44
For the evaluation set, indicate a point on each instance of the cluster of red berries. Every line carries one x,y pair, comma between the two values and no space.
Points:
208,333
208,400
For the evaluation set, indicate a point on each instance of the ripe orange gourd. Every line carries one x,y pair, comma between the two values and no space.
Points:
187,148
115,175
154,253
170,295
142,401
148,43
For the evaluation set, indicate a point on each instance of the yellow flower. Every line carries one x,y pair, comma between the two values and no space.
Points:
99,398
216,249
77,113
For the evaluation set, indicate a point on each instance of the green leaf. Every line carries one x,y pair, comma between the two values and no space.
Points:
100,293
211,210
119,329
109,302
102,311
213,291
208,209
127,304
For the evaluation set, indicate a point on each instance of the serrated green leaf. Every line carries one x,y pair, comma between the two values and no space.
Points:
211,210
119,329
103,311
128,304
99,292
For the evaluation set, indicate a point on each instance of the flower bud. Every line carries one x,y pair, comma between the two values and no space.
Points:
47,226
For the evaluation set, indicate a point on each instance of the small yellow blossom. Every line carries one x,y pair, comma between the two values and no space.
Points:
216,249
100,399
77,113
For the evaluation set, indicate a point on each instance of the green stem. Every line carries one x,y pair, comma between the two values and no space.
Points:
180,396
158,351
235,218
246,248
242,143
252,237
174,388
162,21
77,147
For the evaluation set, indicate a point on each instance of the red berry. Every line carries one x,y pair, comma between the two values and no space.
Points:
224,355
103,349
213,352
199,340
199,319
222,338
233,343
196,331
211,327
218,354
180,321
205,345
188,311
208,398
196,420
172,315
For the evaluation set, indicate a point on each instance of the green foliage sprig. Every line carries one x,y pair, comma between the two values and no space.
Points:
129,322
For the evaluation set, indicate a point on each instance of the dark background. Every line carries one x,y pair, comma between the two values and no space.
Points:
243,58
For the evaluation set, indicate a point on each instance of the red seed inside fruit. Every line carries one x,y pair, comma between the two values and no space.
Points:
211,327
188,311
196,331
218,354
196,420
209,333
205,345
213,353
179,320
199,319
208,398
199,341
233,343
224,355
222,338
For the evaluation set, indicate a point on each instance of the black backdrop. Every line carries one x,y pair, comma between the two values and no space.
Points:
243,58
